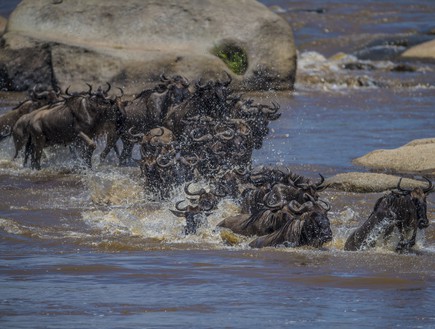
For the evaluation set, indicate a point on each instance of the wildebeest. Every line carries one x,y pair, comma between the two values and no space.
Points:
267,219
207,100
36,100
403,209
310,228
75,121
196,213
148,111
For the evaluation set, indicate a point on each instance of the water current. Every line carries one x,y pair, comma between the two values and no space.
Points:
88,249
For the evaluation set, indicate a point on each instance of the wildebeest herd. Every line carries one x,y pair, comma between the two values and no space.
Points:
204,132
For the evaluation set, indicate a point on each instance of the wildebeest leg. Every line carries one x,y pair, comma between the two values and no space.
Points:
36,147
87,140
87,149
27,151
5,133
388,233
110,143
404,245
127,150
19,142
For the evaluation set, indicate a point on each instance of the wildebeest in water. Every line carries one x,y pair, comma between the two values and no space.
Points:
404,209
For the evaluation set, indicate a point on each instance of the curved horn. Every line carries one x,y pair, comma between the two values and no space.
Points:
90,88
297,208
186,190
401,189
138,135
185,82
67,91
240,171
229,79
199,85
108,88
428,189
276,106
279,204
189,161
122,92
226,134
327,205
163,78
322,180
161,164
178,208
203,138
177,213
268,110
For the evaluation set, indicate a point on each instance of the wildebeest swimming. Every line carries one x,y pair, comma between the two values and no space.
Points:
75,121
204,132
271,211
36,100
404,210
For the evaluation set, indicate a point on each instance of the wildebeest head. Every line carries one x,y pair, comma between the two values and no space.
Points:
177,87
316,229
418,198
307,224
212,96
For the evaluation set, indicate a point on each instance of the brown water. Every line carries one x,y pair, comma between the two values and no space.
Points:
86,249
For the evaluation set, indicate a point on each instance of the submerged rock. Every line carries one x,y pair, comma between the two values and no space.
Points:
370,182
132,42
417,156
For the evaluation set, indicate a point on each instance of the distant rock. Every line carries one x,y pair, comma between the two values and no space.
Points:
3,23
422,51
417,156
370,182
390,47
130,43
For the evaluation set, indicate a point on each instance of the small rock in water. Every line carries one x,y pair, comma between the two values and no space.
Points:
229,237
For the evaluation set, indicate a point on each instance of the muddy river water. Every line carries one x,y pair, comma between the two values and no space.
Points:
87,249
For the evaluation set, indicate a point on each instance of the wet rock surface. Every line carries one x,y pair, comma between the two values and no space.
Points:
422,51
418,156
131,43
370,182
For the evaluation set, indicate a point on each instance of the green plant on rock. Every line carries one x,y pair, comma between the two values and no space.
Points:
233,56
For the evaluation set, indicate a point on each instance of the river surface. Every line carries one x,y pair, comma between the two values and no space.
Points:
87,249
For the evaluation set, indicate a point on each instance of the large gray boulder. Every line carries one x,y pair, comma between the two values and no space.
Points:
130,43
417,156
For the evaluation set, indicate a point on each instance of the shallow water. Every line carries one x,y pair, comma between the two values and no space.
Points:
87,249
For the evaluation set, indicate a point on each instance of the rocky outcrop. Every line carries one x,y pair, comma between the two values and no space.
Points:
370,182
3,22
422,51
130,43
417,156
